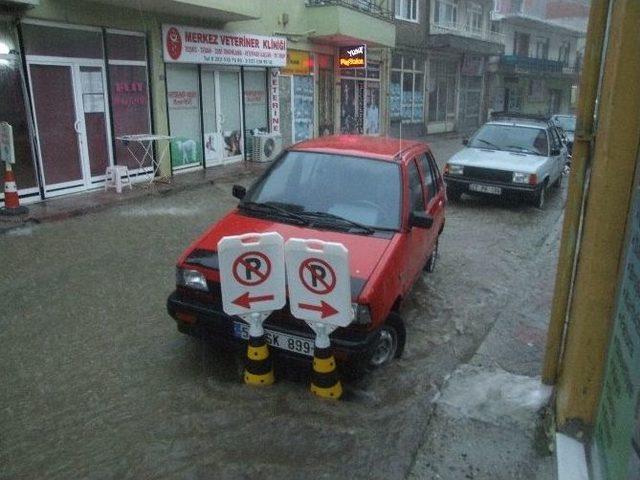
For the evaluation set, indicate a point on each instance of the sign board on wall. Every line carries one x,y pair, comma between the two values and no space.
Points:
7,153
274,100
184,44
353,57
298,63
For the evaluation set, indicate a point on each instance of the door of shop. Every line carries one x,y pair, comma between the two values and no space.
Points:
74,144
221,116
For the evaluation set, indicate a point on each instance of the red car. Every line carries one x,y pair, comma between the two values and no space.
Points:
383,198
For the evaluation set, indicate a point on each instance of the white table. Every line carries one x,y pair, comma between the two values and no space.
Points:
146,141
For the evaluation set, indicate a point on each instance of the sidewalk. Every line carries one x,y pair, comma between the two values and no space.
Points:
68,206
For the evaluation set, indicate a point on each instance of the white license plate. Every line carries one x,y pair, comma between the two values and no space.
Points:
485,189
292,343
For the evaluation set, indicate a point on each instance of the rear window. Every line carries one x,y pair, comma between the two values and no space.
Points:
512,138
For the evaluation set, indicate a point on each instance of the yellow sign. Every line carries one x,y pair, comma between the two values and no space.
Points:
298,63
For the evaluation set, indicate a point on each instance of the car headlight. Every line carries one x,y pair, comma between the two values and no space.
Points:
361,314
520,177
453,169
192,279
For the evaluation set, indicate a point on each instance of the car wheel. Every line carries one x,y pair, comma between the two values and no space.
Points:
430,266
390,342
453,195
540,197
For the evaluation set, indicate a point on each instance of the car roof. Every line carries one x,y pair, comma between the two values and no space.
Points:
381,148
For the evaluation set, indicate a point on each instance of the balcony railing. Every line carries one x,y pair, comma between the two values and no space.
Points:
466,31
376,8
536,65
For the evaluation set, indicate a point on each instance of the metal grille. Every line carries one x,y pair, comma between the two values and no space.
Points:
488,174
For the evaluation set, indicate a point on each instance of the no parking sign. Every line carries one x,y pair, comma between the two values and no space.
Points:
319,281
252,274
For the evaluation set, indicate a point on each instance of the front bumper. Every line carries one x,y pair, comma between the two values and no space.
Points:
461,184
352,345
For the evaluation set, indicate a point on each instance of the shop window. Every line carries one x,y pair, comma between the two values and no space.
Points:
128,91
407,10
13,111
406,90
302,107
61,42
183,98
360,101
255,101
126,47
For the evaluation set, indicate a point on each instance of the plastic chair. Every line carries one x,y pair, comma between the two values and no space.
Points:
117,176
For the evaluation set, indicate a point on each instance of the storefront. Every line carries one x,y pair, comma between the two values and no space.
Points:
14,110
360,96
296,93
87,85
217,92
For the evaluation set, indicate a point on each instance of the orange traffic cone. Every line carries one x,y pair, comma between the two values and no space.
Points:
11,198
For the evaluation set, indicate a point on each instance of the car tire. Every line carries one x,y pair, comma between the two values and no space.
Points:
540,197
390,342
430,266
453,195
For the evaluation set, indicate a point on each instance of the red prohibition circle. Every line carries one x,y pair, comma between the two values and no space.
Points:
241,263
322,286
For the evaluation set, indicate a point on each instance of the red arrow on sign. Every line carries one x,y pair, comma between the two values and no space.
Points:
324,308
245,300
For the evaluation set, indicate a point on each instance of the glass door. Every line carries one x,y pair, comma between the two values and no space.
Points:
230,114
71,125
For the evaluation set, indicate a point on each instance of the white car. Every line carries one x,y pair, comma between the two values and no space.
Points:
512,156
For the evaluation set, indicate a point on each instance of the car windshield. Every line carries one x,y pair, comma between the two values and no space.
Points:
361,190
511,138
567,123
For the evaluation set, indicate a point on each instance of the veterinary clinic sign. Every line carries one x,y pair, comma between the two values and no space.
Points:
184,44
353,57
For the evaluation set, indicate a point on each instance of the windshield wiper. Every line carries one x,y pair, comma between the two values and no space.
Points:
486,142
524,149
331,216
272,208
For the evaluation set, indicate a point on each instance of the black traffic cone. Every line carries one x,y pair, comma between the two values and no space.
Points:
258,368
325,382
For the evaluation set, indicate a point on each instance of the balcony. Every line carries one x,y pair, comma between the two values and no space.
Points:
466,31
220,10
520,64
379,9
349,22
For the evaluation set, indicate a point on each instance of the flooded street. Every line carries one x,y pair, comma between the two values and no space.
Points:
97,383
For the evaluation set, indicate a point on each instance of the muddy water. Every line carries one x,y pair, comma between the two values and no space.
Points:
96,382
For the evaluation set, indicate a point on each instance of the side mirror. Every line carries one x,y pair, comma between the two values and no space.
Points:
465,141
420,220
238,191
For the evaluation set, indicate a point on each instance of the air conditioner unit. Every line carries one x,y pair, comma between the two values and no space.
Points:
266,146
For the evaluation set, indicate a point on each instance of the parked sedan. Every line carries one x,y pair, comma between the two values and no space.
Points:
517,157
568,124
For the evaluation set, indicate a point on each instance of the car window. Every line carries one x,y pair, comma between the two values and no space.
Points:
415,187
511,138
429,180
364,190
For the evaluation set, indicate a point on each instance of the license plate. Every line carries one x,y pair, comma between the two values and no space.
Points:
292,343
485,189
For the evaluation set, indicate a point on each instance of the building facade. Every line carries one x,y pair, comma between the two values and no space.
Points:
77,75
538,73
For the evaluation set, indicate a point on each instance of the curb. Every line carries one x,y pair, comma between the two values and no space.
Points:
159,191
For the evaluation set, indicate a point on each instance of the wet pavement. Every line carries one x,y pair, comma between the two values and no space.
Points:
97,383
